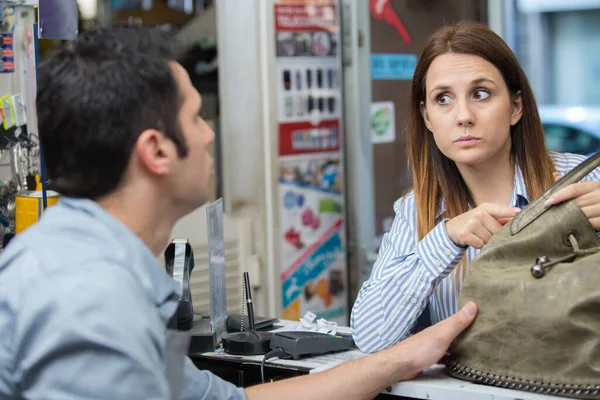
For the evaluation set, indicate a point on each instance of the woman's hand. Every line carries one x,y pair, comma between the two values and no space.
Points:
476,227
587,197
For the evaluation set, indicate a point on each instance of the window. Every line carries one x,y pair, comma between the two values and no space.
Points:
567,139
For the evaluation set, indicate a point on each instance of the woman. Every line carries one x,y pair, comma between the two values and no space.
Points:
477,153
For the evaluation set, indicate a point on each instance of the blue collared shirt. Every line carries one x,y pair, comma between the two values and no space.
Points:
84,306
410,275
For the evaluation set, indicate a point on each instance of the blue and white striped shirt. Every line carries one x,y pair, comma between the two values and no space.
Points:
410,275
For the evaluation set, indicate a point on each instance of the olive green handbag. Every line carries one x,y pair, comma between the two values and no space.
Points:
537,285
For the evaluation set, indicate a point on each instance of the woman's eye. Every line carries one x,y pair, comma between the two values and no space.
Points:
443,99
481,94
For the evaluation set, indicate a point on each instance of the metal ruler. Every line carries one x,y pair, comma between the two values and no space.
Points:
216,267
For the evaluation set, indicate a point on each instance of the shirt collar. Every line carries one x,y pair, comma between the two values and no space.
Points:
127,246
519,197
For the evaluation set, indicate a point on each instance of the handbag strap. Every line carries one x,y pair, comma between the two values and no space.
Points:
537,208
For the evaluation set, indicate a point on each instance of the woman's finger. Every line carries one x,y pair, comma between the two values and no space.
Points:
491,224
595,222
556,176
481,232
589,199
591,211
571,192
473,241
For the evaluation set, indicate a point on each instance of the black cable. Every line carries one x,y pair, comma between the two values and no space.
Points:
278,352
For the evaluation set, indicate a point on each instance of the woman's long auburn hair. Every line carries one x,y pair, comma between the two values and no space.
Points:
436,177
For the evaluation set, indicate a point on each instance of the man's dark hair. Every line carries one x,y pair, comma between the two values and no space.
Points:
95,96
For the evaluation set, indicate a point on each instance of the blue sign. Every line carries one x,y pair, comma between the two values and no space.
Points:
131,4
311,268
393,66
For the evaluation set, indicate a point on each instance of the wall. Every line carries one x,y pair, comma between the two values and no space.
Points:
244,126
420,18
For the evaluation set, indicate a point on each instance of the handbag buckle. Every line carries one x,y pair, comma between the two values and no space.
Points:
543,264
538,269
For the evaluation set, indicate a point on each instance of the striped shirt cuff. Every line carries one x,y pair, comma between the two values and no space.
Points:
438,253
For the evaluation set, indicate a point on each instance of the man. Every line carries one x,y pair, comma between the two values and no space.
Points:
84,303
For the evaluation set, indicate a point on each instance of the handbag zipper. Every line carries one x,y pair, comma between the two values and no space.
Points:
521,384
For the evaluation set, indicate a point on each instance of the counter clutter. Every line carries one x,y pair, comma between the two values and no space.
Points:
434,383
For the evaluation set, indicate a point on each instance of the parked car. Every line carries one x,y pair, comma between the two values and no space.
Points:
571,129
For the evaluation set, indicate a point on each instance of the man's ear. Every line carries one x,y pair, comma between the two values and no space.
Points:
425,114
517,108
155,152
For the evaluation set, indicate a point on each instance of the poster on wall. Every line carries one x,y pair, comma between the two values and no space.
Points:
383,122
311,169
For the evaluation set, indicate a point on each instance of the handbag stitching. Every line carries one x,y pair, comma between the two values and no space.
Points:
527,218
531,385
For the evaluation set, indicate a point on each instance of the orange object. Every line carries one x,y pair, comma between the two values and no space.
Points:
292,312
323,291
29,206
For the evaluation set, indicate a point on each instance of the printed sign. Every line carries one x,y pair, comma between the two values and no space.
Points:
383,126
304,137
7,54
393,66
311,197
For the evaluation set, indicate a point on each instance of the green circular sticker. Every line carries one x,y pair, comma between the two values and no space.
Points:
381,121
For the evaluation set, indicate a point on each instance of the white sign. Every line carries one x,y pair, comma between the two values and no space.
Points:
383,126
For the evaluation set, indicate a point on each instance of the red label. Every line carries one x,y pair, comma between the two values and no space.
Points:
305,138
308,17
